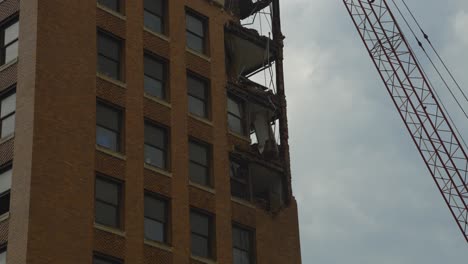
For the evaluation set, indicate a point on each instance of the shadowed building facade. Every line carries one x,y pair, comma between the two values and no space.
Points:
131,133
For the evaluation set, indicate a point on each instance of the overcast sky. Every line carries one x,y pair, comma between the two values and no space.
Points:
364,193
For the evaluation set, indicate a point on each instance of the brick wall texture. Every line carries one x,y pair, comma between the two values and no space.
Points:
56,159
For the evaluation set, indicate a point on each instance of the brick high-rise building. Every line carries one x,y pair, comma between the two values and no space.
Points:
131,133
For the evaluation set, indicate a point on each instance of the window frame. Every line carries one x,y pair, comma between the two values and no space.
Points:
208,166
121,47
3,249
121,120
165,68
119,6
206,101
7,93
252,240
3,26
166,149
166,223
120,206
101,256
4,168
205,22
162,17
247,183
243,120
211,232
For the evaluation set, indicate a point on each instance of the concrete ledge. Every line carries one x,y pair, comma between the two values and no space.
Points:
111,153
112,12
158,245
159,101
109,229
203,188
157,170
156,34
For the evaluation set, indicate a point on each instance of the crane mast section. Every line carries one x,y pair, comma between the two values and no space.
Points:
416,102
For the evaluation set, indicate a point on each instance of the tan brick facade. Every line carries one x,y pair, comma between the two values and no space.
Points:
51,217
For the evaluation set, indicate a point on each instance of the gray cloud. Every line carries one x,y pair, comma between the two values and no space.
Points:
364,193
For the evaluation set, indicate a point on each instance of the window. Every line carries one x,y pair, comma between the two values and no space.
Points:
154,15
155,219
108,200
196,32
199,167
9,41
236,116
155,146
242,246
198,96
155,77
105,260
3,256
201,234
111,4
5,185
7,114
108,127
240,182
109,55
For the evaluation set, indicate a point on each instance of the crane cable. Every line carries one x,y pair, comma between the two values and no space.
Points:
429,81
435,51
433,64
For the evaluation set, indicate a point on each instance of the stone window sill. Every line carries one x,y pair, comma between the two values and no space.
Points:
112,12
7,65
203,260
158,101
198,54
201,119
158,245
111,80
111,153
158,170
156,34
4,216
203,188
109,230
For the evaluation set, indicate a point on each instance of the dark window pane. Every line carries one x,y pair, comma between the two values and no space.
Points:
11,33
8,126
106,214
106,138
155,157
240,257
99,260
199,174
108,117
3,257
197,87
154,87
154,230
198,153
234,107
200,224
109,47
241,238
195,25
200,246
5,181
109,67
197,107
8,105
195,42
239,190
111,4
5,203
154,6
11,52
154,68
155,208
152,22
155,136
235,124
107,192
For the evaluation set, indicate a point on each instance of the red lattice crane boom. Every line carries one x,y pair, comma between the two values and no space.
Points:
416,102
